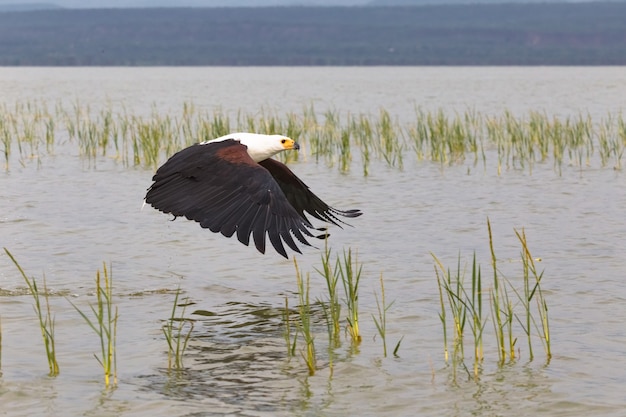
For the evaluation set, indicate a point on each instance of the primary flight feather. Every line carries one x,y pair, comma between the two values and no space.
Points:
232,186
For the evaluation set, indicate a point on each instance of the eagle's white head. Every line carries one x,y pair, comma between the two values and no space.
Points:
260,146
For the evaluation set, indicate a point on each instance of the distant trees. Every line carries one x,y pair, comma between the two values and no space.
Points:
479,34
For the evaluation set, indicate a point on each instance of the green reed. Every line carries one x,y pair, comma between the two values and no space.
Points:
477,323
104,324
452,289
465,308
612,141
442,314
177,331
444,139
500,304
291,346
381,321
390,146
332,307
6,139
605,143
338,139
304,321
148,138
532,289
465,304
527,293
620,145
46,320
363,134
350,273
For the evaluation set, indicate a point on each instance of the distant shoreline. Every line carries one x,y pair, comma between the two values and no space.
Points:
478,34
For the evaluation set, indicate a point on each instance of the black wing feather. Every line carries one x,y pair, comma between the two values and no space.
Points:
219,186
302,198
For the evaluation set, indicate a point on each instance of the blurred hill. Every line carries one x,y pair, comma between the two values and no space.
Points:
107,4
443,2
103,4
476,34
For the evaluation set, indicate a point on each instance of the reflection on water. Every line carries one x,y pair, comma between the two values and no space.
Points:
238,355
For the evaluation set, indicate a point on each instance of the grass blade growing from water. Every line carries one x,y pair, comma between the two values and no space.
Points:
533,290
304,324
496,302
381,321
176,339
291,347
350,275
332,308
104,324
46,321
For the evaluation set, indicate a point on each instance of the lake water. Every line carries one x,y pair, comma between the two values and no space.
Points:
63,217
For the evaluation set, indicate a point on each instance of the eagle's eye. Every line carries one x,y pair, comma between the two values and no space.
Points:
283,141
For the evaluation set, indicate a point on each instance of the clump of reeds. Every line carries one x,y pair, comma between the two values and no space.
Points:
347,269
532,289
465,307
104,324
304,321
519,142
177,330
390,135
465,303
331,306
46,320
363,133
612,141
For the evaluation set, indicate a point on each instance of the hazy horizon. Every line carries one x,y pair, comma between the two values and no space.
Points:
87,4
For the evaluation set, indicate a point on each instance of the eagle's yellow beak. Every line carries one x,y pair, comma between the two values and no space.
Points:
290,144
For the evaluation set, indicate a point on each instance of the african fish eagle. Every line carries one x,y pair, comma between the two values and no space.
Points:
232,185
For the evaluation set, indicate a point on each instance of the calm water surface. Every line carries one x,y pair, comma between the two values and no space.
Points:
62,217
